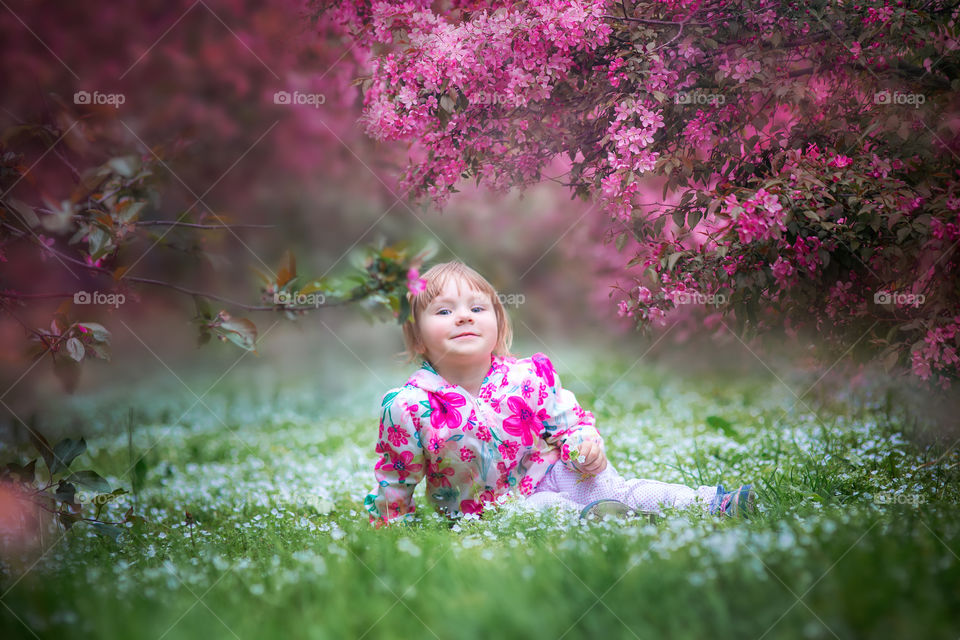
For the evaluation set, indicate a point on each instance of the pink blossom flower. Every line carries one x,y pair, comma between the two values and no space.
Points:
415,284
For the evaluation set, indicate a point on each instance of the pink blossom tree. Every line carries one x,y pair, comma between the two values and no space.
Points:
808,151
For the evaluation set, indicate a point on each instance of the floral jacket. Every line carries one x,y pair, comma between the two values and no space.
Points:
474,449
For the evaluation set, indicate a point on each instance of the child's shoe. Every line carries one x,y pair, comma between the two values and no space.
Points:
610,507
741,502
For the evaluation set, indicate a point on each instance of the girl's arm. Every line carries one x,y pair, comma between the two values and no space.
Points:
401,466
567,424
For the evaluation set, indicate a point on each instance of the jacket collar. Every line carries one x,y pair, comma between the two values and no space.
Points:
427,378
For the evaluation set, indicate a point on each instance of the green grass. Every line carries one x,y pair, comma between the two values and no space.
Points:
853,539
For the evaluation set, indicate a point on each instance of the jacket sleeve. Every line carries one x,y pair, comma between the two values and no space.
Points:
566,423
400,467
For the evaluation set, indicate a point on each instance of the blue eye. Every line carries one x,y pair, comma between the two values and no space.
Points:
475,308
443,311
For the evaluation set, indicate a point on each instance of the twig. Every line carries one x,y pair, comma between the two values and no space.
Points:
146,223
160,283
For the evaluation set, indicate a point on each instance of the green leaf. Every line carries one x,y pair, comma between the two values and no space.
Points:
240,331
75,349
720,424
99,351
693,218
98,331
90,480
26,212
25,473
107,530
672,259
890,361
67,519
42,446
139,475
126,166
903,232
65,492
131,212
65,452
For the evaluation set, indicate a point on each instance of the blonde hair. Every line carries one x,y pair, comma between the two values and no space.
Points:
437,277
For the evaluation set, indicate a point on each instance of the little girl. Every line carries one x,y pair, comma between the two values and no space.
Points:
479,423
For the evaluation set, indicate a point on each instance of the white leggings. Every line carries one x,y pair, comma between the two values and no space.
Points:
562,487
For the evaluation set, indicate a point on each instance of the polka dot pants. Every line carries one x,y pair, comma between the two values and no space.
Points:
563,487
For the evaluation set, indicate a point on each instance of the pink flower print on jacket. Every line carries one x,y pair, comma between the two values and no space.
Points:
526,485
543,367
526,388
443,409
503,481
523,422
435,444
397,435
476,506
401,464
509,449
438,475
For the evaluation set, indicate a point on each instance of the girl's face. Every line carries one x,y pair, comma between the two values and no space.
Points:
459,326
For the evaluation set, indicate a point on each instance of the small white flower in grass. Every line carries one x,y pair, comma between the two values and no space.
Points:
407,546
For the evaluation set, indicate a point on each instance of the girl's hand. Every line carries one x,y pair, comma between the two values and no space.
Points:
591,458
